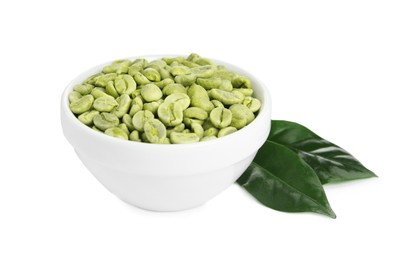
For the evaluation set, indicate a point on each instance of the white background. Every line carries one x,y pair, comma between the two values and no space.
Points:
345,69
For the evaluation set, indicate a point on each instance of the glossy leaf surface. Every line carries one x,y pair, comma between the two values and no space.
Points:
330,162
279,179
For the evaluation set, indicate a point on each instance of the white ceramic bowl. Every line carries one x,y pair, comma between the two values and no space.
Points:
167,177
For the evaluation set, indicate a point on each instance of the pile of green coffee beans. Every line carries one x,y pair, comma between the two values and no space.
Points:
172,100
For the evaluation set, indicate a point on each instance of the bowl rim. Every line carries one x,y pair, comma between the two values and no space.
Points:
264,111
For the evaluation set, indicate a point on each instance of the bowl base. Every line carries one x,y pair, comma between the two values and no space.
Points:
165,193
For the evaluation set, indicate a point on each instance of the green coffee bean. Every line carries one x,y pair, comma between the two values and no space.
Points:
105,120
169,131
111,90
102,80
243,111
105,104
136,105
217,103
179,98
207,124
199,98
178,128
136,93
156,64
241,115
153,106
74,96
144,138
239,94
171,60
119,66
170,113
124,127
180,70
125,84
226,85
161,84
197,129
98,92
134,136
221,117
195,112
227,98
208,138
210,83
211,132
252,103
205,71
142,63
151,92
186,131
133,70
140,118
87,117
241,82
84,89
166,141
245,91
82,105
203,61
140,79
165,74
223,74
226,131
153,66
189,121
238,122
92,79
127,120
185,80
124,104
183,138
155,131
199,60
152,74
193,56
174,88
190,64
117,132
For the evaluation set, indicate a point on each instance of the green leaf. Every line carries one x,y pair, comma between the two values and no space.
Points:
330,162
279,179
